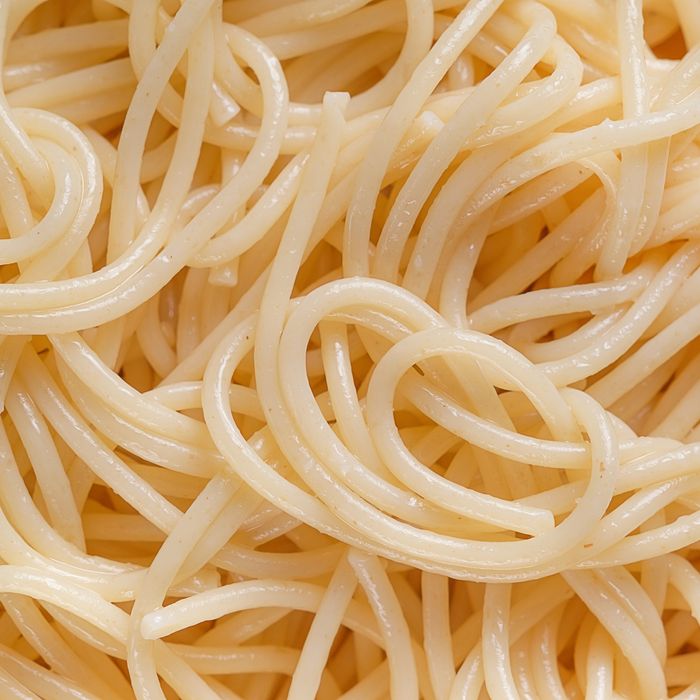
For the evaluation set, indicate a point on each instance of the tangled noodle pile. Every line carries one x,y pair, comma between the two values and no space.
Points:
349,349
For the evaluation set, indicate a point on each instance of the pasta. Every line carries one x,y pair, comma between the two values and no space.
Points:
349,349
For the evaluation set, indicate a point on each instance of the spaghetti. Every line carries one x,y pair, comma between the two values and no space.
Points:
349,349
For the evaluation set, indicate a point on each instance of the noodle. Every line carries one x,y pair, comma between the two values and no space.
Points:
349,349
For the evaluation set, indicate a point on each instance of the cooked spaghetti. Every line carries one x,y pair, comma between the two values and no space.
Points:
350,349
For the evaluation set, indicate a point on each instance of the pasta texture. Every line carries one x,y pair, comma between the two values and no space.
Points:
350,349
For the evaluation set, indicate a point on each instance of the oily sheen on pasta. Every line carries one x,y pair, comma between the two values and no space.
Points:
350,349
